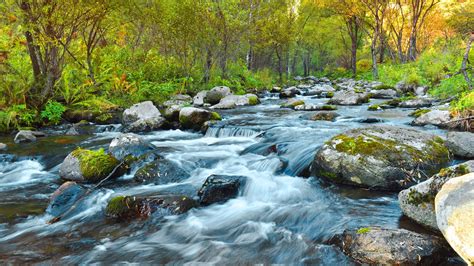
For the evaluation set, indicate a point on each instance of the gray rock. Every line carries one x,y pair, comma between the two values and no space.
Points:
415,103
421,91
143,110
193,118
129,144
3,147
454,205
172,113
198,100
378,246
384,94
146,125
72,131
64,198
417,202
438,118
292,103
405,87
27,136
324,115
179,99
216,94
461,144
289,92
349,98
380,157
220,188
313,107
161,171
232,101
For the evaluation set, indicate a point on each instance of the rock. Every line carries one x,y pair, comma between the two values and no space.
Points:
24,136
193,118
461,144
405,87
289,92
64,198
454,205
220,188
172,113
3,147
324,115
88,166
435,117
179,99
415,103
216,94
370,120
146,125
417,202
321,90
198,100
143,110
421,91
383,94
419,112
380,157
232,101
292,103
276,89
161,171
129,207
378,246
72,131
312,107
129,144
349,98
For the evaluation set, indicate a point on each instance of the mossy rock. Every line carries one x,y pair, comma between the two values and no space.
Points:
292,103
253,100
384,87
324,115
215,116
419,112
83,165
374,107
380,157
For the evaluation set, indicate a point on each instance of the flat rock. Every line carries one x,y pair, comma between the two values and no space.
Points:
438,118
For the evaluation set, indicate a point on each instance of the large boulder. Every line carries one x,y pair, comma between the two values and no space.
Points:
179,99
130,207
380,157
216,94
415,103
438,118
349,98
129,144
198,99
220,188
378,246
146,125
143,110
232,101
454,205
461,144
161,171
417,202
24,136
64,198
88,166
193,118
292,103
289,92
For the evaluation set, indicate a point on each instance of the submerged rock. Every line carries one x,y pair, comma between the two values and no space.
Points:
64,198
454,205
88,166
220,188
378,246
417,202
435,117
215,95
130,207
129,144
461,144
24,136
380,157
349,98
161,171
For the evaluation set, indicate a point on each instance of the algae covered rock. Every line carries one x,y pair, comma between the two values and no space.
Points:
454,205
83,165
380,157
220,188
130,207
379,246
417,202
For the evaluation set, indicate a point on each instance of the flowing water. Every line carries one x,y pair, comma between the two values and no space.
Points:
282,216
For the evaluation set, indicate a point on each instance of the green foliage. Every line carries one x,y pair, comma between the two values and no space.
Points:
465,102
15,117
53,112
363,230
449,87
95,165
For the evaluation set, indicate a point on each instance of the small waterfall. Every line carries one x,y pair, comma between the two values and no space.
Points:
223,132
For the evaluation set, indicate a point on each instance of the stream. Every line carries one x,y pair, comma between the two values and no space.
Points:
283,216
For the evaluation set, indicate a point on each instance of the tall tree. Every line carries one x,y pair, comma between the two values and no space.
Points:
419,9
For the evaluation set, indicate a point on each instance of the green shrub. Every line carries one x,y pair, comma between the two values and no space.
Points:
53,112
364,65
449,87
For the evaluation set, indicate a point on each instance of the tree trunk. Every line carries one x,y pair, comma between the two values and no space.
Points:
373,51
280,67
466,59
412,45
382,47
354,56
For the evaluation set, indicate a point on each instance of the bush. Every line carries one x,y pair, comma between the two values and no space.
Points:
449,87
53,112
15,117
364,65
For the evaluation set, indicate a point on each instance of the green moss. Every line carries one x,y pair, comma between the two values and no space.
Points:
359,91
330,94
454,171
384,87
95,165
215,116
124,207
363,230
328,175
416,198
360,145
253,100
103,118
419,112
328,107
393,102
374,107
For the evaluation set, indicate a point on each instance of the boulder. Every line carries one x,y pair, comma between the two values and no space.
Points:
220,188
324,115
405,87
216,94
289,92
129,144
64,198
454,205
88,166
415,103
160,171
143,110
146,125
172,113
292,103
378,246
3,147
24,136
417,202
380,157
383,94
130,207
312,107
198,100
232,101
179,99
349,98
435,117
193,118
461,144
